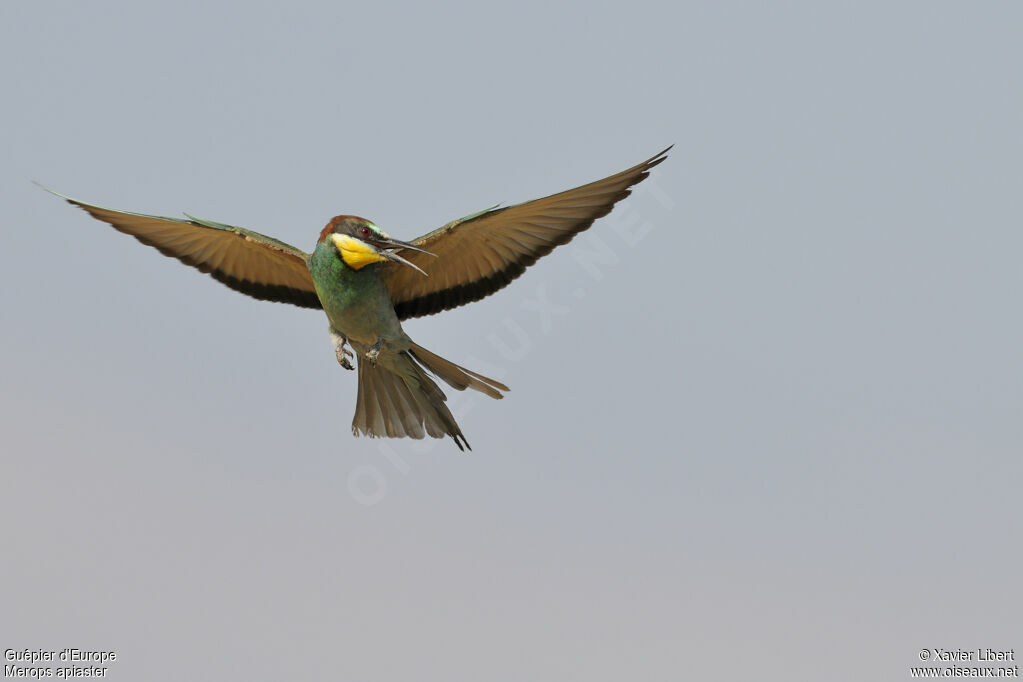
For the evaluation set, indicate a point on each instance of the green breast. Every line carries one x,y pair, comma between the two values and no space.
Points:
357,302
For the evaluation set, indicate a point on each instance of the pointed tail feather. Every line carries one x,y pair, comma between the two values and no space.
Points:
457,377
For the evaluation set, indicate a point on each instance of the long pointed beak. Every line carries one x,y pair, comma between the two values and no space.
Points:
392,243
390,255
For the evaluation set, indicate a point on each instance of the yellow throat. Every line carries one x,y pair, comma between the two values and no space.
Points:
355,253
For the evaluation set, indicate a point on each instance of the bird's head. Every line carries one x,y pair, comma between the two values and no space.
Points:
360,243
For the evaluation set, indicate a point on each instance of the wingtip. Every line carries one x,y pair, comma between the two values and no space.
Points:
47,189
70,200
663,154
656,159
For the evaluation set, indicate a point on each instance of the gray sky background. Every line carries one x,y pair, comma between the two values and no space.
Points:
775,435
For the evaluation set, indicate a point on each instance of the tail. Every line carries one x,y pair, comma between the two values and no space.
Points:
400,400
457,377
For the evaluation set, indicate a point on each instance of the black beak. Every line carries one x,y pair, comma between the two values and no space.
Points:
391,243
383,244
390,255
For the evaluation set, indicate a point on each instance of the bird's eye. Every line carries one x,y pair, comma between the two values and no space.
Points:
365,231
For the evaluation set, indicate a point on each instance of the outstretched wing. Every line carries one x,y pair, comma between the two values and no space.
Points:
249,262
484,252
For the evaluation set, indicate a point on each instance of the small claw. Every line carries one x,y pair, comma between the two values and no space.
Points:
374,351
342,352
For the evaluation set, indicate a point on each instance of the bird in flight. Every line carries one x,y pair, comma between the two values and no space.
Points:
368,282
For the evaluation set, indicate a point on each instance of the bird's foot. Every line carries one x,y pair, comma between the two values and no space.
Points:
374,351
344,356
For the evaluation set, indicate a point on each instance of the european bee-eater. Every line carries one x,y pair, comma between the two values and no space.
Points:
357,277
